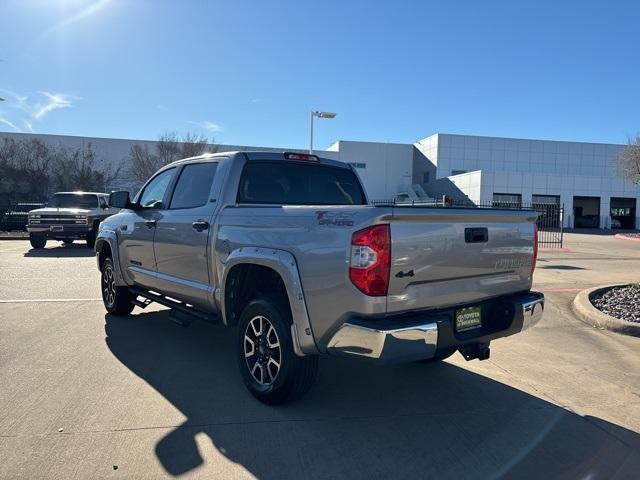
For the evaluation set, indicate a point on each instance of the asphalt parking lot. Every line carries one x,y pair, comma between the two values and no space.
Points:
85,395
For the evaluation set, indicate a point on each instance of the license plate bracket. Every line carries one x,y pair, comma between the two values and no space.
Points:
468,318
56,228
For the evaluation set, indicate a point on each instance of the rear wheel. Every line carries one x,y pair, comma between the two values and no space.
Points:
37,240
270,369
117,300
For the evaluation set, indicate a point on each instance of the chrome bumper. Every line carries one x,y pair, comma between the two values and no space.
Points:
71,229
532,311
419,340
385,346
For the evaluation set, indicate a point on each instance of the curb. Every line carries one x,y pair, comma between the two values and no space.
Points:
622,236
590,315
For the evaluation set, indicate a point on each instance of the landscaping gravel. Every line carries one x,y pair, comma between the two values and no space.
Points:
620,302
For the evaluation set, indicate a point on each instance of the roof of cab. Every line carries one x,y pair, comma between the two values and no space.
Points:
257,155
78,192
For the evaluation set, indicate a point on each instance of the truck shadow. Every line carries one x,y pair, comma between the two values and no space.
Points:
360,421
58,250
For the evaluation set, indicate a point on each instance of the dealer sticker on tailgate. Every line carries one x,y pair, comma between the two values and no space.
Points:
468,318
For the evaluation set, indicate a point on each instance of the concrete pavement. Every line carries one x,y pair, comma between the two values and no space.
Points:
142,397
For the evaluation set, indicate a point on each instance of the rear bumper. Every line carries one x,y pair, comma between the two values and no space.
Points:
422,335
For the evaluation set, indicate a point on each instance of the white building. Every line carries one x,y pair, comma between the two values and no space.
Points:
580,176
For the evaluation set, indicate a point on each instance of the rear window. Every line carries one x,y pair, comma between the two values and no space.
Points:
73,200
290,183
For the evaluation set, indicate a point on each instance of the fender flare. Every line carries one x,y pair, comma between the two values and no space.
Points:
283,263
109,237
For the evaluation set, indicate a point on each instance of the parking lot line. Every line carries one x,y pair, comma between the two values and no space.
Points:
42,300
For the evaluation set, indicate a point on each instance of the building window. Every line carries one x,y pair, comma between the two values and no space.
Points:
457,172
507,200
546,199
358,165
425,177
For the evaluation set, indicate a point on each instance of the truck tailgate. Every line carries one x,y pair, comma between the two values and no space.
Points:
453,256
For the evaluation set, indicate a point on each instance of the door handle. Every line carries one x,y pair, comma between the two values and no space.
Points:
200,225
150,223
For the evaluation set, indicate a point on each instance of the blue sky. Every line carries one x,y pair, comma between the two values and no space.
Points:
248,72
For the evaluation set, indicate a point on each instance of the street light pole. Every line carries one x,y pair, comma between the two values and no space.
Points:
315,113
311,136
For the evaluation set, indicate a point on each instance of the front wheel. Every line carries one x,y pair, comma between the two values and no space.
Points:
37,241
117,300
91,238
270,369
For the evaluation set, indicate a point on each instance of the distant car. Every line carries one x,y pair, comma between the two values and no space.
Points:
587,221
16,217
69,216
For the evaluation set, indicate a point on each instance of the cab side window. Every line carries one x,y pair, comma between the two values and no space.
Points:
154,192
193,185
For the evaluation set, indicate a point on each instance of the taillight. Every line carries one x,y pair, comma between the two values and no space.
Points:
535,247
371,259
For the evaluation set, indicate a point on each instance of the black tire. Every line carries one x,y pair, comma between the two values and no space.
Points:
37,240
91,238
294,376
116,300
67,241
440,356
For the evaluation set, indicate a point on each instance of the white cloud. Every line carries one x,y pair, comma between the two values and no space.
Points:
7,122
54,102
24,110
208,126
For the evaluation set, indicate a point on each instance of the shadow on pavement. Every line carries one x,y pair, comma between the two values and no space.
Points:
60,250
360,421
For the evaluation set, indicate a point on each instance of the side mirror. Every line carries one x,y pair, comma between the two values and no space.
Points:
120,200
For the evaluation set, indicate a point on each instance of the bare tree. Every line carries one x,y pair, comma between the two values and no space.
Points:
78,170
30,170
193,145
629,161
169,148
25,169
143,163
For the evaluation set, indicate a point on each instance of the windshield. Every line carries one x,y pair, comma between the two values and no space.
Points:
73,200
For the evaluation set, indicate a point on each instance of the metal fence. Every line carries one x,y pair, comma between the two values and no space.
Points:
549,221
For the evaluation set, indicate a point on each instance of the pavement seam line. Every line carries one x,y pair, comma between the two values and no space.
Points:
257,422
57,300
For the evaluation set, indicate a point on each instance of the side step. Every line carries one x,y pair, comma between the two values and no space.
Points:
180,307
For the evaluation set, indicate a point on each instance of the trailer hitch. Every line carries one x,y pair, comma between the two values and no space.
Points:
481,351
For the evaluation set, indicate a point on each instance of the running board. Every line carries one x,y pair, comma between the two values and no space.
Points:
176,305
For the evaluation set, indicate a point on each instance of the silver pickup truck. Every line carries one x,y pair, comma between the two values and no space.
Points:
284,247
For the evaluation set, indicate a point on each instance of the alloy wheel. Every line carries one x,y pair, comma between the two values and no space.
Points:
262,350
108,285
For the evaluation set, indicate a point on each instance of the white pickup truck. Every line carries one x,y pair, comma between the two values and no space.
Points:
285,248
